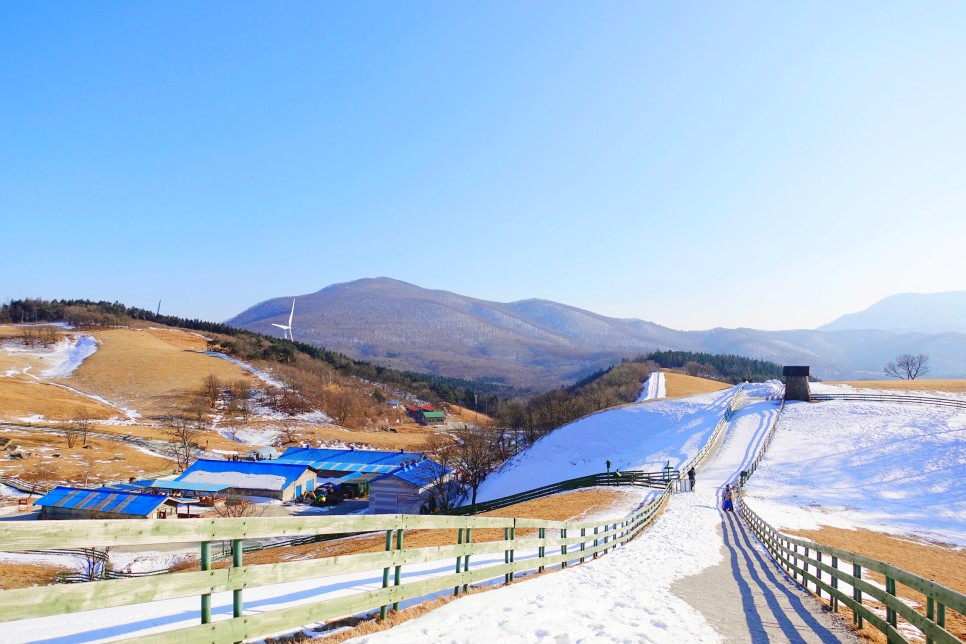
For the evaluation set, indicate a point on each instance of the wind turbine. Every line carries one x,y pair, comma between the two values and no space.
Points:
287,328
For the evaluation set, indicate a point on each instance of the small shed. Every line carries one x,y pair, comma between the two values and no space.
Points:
796,387
406,490
65,502
272,479
432,418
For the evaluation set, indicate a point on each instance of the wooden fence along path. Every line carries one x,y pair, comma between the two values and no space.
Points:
902,399
557,544
838,573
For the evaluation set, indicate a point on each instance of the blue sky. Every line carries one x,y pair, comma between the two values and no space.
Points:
770,165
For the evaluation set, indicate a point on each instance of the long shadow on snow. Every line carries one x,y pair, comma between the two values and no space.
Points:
737,540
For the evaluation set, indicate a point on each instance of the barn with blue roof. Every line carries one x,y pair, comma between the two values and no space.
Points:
65,502
339,463
409,489
273,479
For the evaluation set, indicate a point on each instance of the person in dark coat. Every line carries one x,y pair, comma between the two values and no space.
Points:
728,504
691,477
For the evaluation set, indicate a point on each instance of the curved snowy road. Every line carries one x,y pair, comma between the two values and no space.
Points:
630,594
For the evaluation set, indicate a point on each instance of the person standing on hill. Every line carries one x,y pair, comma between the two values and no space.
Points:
691,477
728,504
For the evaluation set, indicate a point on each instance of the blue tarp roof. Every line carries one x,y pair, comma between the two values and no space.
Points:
189,487
421,474
118,502
347,460
290,472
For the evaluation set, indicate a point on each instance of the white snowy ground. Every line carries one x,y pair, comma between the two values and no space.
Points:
637,436
887,467
60,360
624,597
654,387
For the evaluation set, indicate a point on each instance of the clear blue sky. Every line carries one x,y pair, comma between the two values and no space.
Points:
771,165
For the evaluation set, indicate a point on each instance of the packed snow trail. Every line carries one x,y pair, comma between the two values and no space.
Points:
654,387
627,595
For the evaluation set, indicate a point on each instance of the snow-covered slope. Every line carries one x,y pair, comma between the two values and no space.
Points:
654,387
887,467
637,436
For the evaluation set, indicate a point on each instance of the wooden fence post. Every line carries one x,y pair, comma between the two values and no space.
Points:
237,551
398,575
385,574
206,598
542,550
595,542
459,560
583,533
466,559
818,575
835,585
857,594
891,589
563,547
930,614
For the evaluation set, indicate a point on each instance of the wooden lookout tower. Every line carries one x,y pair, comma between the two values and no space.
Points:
797,386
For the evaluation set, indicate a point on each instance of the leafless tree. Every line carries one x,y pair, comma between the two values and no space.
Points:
70,432
83,421
184,436
288,434
211,389
439,478
907,366
96,561
42,476
474,455
237,508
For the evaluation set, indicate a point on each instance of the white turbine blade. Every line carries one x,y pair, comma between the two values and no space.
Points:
291,314
281,326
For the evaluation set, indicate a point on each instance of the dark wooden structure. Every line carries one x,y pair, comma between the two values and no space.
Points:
796,387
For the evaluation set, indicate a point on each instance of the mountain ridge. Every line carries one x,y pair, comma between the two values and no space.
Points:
540,343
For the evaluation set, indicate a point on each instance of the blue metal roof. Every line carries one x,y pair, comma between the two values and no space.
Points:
221,472
106,501
361,461
421,473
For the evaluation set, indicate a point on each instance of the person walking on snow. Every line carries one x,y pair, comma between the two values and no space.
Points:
691,476
728,504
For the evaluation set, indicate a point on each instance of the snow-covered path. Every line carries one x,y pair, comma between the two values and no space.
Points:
627,596
654,387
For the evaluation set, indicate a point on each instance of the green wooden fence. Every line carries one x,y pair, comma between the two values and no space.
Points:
556,544
838,575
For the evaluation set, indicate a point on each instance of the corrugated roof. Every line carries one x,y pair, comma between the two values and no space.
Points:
246,472
420,474
107,501
347,460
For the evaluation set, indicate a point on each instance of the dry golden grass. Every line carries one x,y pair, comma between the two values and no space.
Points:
22,398
21,575
151,370
406,437
679,385
952,386
464,415
95,465
943,564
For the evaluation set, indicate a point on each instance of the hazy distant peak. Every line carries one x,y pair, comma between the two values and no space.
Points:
922,312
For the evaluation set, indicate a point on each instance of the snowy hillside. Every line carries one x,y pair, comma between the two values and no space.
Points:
887,467
637,436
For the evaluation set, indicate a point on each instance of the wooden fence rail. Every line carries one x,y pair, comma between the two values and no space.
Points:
842,582
838,574
528,545
892,398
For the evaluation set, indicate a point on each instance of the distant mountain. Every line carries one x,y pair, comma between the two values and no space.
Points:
925,313
542,344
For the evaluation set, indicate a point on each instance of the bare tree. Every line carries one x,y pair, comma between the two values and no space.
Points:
83,421
184,435
236,508
474,455
70,432
96,561
288,434
444,490
907,366
211,389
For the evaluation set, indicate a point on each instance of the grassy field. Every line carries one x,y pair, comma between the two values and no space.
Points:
21,575
101,462
679,385
23,398
152,371
920,384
